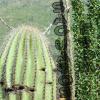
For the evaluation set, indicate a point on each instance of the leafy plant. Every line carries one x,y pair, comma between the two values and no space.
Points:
86,32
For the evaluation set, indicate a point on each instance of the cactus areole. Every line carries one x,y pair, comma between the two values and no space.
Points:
27,68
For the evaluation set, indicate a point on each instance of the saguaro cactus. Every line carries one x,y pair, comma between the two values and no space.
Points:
27,70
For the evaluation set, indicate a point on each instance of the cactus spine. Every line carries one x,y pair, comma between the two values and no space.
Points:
29,67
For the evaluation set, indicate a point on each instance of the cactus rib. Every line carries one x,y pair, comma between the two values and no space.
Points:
51,77
10,61
40,74
19,63
4,55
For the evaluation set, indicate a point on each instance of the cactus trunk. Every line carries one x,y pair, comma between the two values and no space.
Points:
27,68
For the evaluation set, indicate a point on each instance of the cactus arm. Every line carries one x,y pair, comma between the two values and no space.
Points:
10,61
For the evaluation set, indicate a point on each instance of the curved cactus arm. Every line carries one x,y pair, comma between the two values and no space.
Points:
40,74
19,63
10,60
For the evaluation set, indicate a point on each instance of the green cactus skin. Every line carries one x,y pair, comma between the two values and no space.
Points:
28,64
